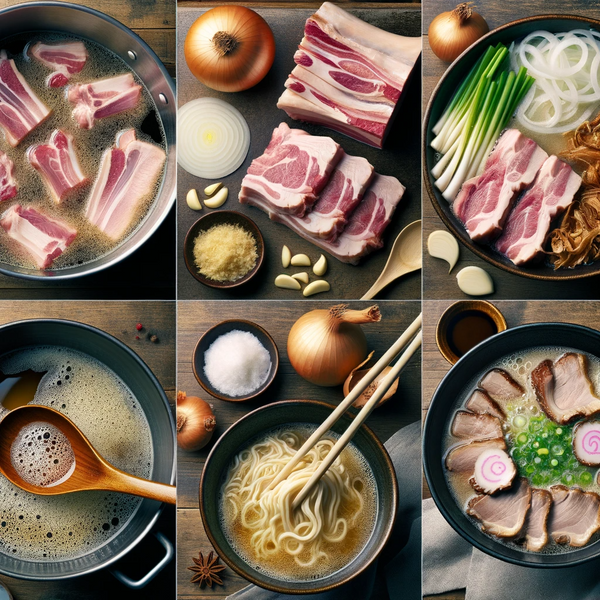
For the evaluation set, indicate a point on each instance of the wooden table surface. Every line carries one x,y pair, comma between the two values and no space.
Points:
118,319
194,318
400,158
150,272
436,281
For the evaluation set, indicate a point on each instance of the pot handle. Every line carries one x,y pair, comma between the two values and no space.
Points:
146,579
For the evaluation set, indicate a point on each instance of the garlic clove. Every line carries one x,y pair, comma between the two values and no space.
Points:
287,282
192,200
211,189
300,260
441,244
316,287
218,199
474,281
303,277
286,257
320,267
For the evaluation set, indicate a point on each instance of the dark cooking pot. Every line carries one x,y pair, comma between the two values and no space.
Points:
149,393
442,407
93,25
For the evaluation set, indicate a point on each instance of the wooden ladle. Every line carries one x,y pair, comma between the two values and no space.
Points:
406,256
91,472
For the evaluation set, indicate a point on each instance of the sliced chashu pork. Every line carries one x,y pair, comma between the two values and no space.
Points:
475,427
501,386
502,515
462,457
482,403
536,526
564,389
575,515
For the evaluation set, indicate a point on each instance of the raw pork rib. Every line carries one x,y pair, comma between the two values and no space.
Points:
21,110
64,58
292,171
350,75
8,185
127,175
44,238
57,164
484,201
103,98
527,225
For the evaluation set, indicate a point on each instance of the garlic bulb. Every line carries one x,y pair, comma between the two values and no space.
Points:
441,244
474,281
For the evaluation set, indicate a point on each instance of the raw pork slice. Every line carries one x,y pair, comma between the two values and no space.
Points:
484,201
575,515
527,225
501,386
291,173
462,458
103,98
42,237
536,525
475,427
8,184
57,163
480,402
564,389
127,176
21,110
64,58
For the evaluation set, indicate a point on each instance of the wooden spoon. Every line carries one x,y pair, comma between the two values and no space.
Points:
91,472
405,257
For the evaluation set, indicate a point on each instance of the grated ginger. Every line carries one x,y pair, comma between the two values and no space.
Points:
225,252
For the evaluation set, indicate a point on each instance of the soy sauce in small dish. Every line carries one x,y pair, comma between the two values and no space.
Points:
469,328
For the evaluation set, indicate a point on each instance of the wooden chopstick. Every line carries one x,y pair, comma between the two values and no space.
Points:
342,442
360,387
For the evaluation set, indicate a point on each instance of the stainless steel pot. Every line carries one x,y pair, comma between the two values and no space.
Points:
93,25
149,393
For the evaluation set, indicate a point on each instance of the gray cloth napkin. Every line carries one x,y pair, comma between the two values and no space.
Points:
451,563
402,555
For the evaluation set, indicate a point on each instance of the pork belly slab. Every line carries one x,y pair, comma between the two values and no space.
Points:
462,458
480,402
57,163
527,226
575,515
484,201
8,183
103,98
43,238
64,58
127,176
472,426
21,110
501,386
536,525
563,389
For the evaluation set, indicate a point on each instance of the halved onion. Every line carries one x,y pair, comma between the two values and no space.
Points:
213,138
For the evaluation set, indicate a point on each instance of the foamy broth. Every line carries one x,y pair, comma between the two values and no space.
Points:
53,528
90,145
519,366
284,567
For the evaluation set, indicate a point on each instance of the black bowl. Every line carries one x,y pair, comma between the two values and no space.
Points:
442,408
438,102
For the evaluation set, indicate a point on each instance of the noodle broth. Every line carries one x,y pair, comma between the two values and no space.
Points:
282,558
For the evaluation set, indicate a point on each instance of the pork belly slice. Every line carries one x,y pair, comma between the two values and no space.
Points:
575,515
472,426
484,201
586,442
461,458
502,515
494,471
103,98
501,386
563,389
42,237
21,110
291,172
480,402
127,176
536,525
527,226
8,183
64,58
57,163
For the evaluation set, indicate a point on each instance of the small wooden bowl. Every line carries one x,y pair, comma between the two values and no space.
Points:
219,217
456,309
218,330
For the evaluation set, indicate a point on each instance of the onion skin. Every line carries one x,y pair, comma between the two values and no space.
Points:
195,422
358,373
451,33
246,54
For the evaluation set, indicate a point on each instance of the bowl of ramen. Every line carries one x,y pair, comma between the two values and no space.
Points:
88,154
333,536
511,445
465,190
114,398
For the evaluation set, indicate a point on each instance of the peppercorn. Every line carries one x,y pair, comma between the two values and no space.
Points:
154,339
139,326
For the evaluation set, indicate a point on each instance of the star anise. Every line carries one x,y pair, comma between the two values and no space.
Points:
206,569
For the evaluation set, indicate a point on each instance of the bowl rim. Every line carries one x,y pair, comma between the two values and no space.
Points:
254,229
481,251
263,388
281,405
427,468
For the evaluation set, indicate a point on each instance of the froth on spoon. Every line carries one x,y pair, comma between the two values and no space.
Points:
91,471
